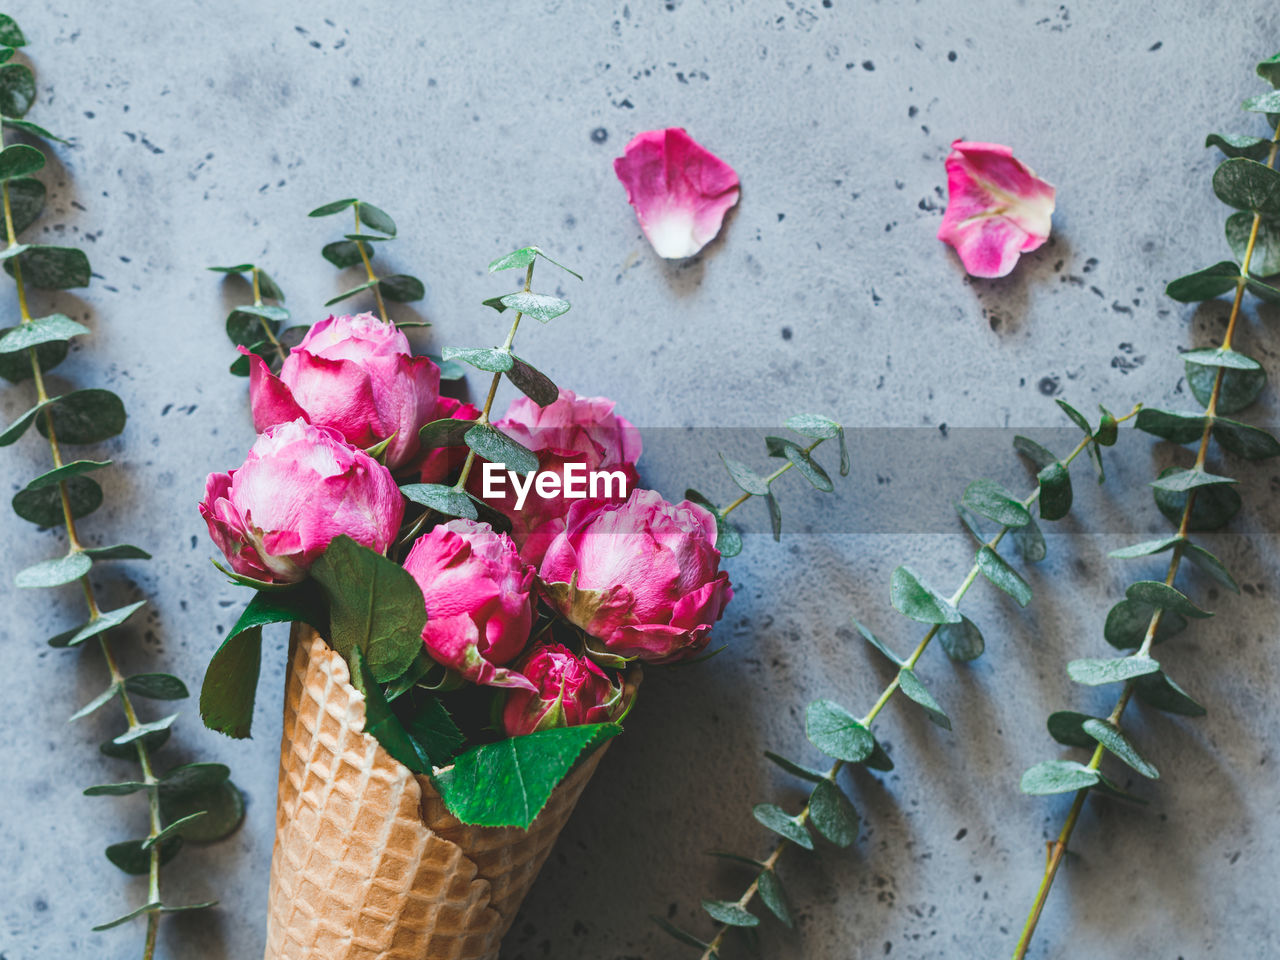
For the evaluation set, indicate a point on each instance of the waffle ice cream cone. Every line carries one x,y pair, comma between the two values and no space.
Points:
368,863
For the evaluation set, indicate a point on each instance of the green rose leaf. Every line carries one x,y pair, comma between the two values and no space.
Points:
499,448
448,432
376,219
837,733
1113,738
1058,776
910,684
913,598
488,359
402,288
17,90
105,620
962,641
1171,425
506,784
1205,284
374,606
157,686
1165,597
1213,507
1247,184
730,914
19,160
1158,691
833,815
1094,673
783,824
1067,727
1252,443
52,268
435,733
55,572
997,570
1128,621
42,505
1266,247
231,680
85,416
1235,145
532,382
540,306
441,498
379,720
989,499
329,209
56,326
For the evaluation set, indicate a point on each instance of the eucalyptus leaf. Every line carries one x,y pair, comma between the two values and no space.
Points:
16,367
730,913
11,34
117,551
1039,456
795,769
448,432
989,499
1159,691
1055,491
832,814
676,933
138,731
1067,727
132,859
1212,509
533,383
51,268
783,824
328,209
43,505
123,789
1058,776
441,498
509,782
56,326
540,306
1165,597
837,733
401,288
1029,542
220,810
347,294
775,514
913,598
157,686
997,570
1171,425
1249,442
773,896
1113,738
497,447
85,416
803,461
105,620
488,359
1265,260
962,641
1248,185
153,907
55,572
1235,145
1240,384
1128,621
1211,565
193,779
19,160
1268,70
1178,480
875,641
17,90
1094,673
26,201
1268,103
18,427
151,742
1206,284
376,218
344,253
102,699
910,685
817,427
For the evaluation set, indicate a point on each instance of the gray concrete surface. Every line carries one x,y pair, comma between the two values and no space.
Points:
204,132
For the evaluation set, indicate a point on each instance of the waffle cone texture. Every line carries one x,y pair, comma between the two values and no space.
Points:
368,863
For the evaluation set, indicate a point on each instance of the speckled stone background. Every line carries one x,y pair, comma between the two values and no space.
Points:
203,133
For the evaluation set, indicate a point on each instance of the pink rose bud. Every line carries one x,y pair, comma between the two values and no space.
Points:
300,487
435,466
476,589
570,691
642,576
680,190
573,429
997,208
356,375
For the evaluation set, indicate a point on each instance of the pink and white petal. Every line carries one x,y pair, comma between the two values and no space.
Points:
997,208
270,398
680,190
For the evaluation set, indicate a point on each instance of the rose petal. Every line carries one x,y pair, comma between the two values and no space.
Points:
270,398
679,188
997,208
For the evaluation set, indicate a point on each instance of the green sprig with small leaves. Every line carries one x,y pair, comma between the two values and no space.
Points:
847,739
191,802
1224,381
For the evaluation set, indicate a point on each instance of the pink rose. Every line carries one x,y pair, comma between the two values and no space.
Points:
476,589
680,190
356,375
570,691
573,429
435,466
300,487
642,576
997,208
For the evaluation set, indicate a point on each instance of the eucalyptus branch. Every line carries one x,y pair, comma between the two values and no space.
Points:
1224,381
64,494
849,740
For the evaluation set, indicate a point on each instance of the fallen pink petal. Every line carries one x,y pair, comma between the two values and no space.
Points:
680,189
997,208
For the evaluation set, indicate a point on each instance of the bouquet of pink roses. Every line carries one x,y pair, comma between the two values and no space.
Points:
472,600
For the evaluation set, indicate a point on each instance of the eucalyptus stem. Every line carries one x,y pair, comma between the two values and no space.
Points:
497,378
1057,848
368,266
767,480
712,948
86,586
262,321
